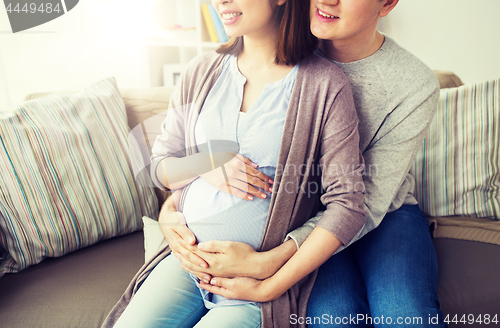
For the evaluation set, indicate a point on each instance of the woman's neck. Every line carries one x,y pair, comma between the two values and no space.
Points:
258,52
346,51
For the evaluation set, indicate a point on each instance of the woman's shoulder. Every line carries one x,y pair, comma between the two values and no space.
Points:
202,64
319,74
205,59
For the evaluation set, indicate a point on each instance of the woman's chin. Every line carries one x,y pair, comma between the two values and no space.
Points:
233,34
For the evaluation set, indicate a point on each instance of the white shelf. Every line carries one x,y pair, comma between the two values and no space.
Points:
172,47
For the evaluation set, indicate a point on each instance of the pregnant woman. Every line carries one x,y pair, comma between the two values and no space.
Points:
283,121
391,270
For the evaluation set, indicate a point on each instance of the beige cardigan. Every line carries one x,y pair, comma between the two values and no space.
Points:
321,131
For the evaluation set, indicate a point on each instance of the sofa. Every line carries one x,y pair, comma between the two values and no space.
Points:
78,289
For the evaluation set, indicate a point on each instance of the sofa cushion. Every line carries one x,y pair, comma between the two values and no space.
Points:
146,110
466,228
66,176
447,79
76,290
466,281
457,170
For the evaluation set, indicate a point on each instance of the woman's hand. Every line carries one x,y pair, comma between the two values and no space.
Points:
173,226
240,177
241,288
224,259
217,258
234,259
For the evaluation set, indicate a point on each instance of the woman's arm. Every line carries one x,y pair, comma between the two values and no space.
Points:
240,176
176,173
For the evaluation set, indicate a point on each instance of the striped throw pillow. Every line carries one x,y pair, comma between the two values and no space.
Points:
66,178
457,169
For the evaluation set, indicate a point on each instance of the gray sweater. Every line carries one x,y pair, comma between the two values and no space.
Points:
395,95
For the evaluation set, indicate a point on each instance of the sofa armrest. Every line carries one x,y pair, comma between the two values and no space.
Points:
448,79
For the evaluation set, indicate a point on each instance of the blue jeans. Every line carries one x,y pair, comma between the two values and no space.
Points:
170,298
387,278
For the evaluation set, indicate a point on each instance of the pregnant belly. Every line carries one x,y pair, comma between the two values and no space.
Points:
215,215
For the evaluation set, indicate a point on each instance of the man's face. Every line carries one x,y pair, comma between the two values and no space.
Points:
344,20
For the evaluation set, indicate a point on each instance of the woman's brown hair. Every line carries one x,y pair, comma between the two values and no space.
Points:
295,40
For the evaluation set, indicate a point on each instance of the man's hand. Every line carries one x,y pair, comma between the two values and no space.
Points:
317,248
224,259
241,288
231,259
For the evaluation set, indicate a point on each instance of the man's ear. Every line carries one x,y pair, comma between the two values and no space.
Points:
281,2
388,7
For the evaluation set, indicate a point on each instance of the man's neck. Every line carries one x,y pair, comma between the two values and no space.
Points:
346,51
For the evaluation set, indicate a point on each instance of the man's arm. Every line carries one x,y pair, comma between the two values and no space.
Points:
233,259
320,245
387,162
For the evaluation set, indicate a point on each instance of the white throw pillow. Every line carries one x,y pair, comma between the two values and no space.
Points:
152,237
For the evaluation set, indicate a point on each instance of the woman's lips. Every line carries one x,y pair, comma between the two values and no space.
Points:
229,18
325,17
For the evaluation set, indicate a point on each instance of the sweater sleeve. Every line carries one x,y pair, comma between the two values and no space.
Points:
342,169
388,160
171,141
195,83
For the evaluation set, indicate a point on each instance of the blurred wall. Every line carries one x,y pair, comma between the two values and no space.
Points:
102,38
457,35
97,39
